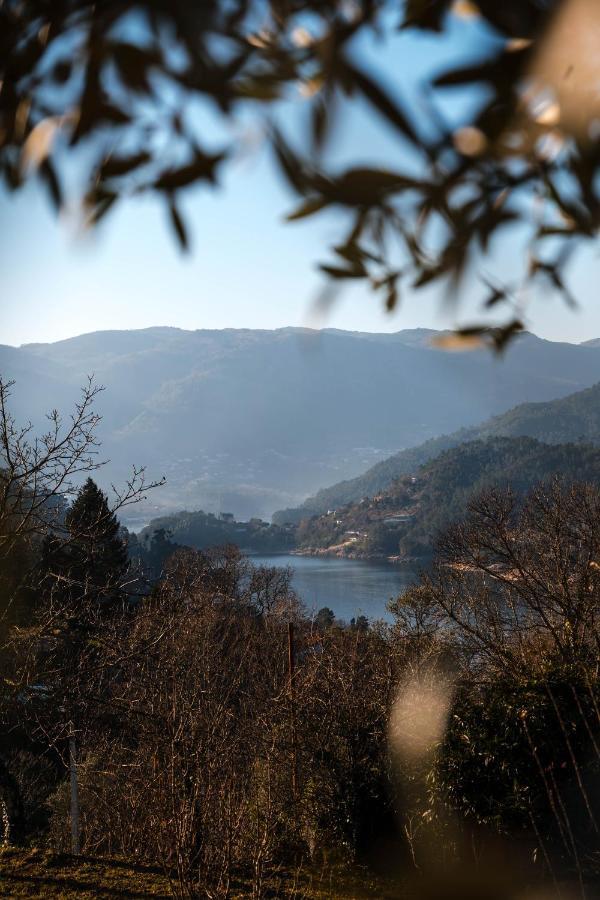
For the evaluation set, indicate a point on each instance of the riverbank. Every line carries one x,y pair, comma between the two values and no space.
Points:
345,551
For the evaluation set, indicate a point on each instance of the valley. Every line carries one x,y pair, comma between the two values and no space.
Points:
253,421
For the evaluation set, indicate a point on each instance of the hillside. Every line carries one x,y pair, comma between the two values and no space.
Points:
203,530
574,418
405,517
250,421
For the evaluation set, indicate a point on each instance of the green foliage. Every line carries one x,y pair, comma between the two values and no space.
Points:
87,563
324,619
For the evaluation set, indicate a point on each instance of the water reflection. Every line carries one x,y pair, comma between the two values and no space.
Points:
347,586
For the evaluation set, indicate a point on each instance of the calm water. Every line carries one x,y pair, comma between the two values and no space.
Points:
349,587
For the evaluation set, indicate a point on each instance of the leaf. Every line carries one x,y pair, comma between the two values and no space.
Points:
574,213
354,253
308,208
50,177
429,274
364,187
94,113
108,112
39,142
520,19
201,169
425,14
133,63
337,272
554,231
319,123
22,118
502,336
98,202
458,341
376,95
495,297
465,9
375,181
264,89
290,164
488,71
351,253
178,226
391,299
115,166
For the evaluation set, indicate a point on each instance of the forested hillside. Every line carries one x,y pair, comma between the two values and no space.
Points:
203,530
250,421
574,418
405,518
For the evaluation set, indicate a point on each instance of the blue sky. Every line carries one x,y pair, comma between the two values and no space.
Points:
248,268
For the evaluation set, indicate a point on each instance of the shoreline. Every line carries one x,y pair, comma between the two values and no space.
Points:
339,552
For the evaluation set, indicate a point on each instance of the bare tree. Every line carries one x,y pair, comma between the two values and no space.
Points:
39,474
513,603
516,573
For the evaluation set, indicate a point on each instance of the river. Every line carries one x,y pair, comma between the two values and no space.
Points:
349,587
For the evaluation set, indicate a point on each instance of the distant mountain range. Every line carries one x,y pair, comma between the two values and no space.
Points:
572,418
248,421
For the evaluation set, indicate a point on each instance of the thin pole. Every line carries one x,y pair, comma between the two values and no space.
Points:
291,668
75,847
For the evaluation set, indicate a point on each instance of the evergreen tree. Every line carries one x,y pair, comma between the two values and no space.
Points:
157,549
324,619
86,565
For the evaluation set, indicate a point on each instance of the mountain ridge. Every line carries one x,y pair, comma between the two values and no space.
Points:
252,420
402,520
575,417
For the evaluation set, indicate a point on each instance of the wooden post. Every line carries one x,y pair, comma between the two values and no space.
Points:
75,847
291,668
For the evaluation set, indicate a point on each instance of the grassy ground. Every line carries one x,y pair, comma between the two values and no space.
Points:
42,873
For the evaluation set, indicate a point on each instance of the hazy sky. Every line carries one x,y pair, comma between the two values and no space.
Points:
248,268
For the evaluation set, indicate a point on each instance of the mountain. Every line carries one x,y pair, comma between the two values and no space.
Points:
403,518
572,418
248,421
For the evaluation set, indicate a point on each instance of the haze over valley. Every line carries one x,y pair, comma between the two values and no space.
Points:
253,421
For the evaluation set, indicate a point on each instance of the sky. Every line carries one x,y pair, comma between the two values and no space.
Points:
248,268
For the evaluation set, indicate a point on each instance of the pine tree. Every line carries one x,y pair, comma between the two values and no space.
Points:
99,553
85,566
